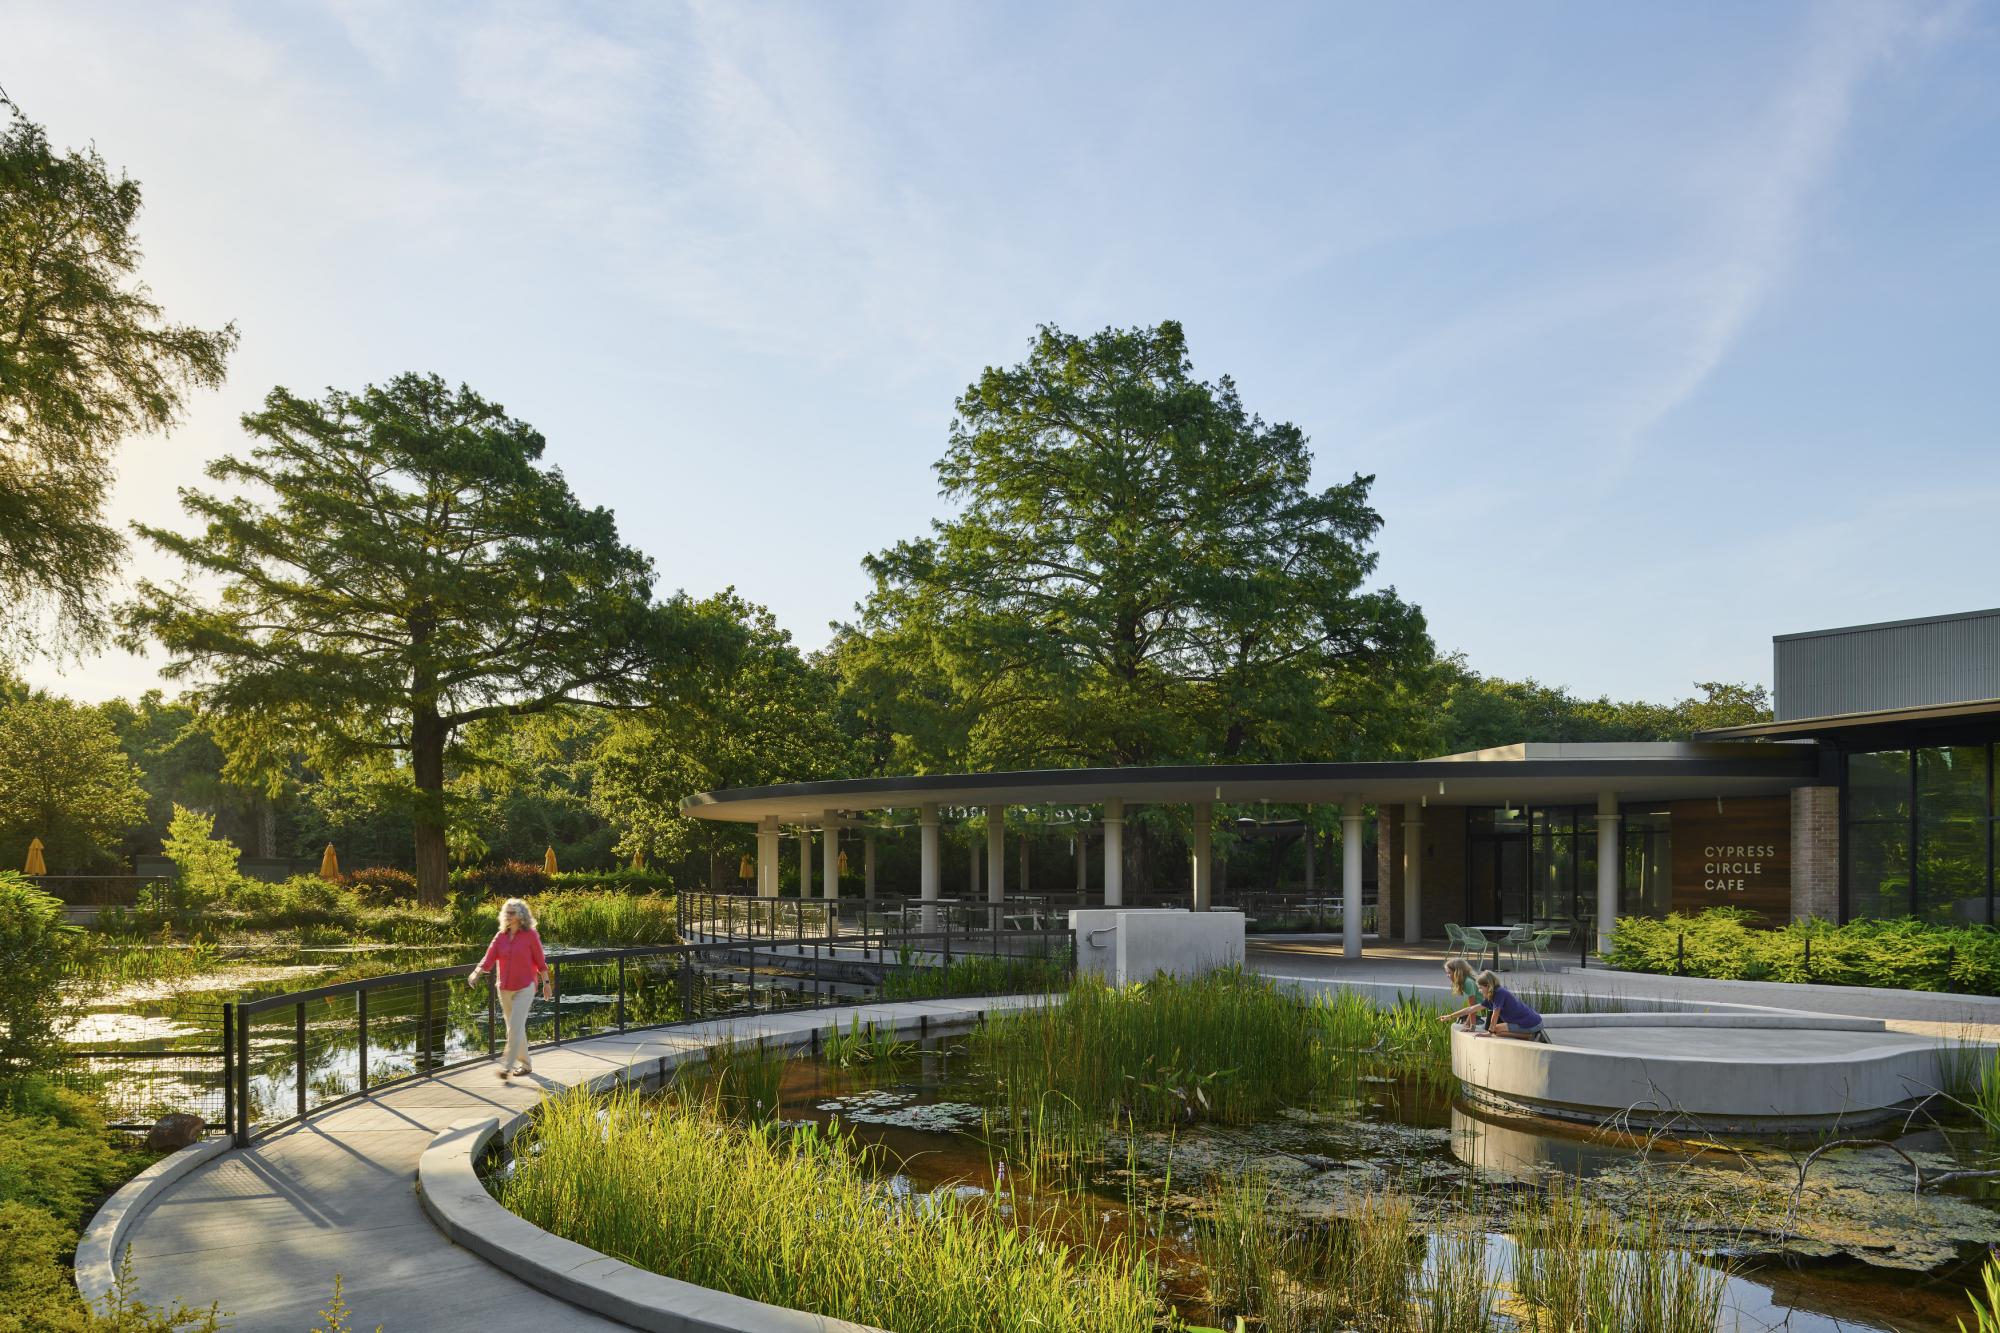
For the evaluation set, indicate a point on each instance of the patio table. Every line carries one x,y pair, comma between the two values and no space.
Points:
1495,937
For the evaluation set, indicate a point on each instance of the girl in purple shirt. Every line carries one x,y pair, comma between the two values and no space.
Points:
1512,1017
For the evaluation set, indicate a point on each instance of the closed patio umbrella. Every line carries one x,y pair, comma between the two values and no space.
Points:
35,866
329,864
549,860
638,860
744,870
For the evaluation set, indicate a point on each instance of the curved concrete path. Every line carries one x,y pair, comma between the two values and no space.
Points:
263,1230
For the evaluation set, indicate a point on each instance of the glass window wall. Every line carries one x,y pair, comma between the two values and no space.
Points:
1920,832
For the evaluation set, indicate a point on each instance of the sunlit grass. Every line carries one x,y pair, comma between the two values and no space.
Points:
795,1216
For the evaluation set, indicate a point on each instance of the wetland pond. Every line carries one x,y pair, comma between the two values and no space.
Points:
1856,1251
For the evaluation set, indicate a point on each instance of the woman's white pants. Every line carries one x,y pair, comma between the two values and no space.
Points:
514,1007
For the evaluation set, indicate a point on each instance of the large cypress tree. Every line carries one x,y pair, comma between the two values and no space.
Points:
395,566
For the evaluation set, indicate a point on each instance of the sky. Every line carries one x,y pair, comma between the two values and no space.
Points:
1662,329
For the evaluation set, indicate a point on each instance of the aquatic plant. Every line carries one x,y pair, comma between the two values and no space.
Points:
738,1079
1985,1302
858,1045
1579,1269
795,1216
978,974
1457,1292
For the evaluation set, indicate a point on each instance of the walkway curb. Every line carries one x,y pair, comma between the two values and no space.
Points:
457,1202
98,1253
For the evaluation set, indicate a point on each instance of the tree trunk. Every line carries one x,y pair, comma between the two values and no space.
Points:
427,768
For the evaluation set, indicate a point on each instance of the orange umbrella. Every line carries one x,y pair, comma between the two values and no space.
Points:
549,860
35,866
329,864
638,860
745,870
843,863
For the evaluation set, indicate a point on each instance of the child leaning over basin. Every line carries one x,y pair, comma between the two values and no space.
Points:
1511,1015
1476,1012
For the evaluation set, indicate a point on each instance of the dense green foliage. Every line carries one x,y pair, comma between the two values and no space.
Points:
56,1162
1138,571
1467,711
798,1217
416,572
36,951
87,358
981,974
1724,942
64,779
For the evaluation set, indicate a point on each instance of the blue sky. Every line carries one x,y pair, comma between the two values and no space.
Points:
1663,328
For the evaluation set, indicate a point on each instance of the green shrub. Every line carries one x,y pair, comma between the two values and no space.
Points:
642,881
37,950
1726,943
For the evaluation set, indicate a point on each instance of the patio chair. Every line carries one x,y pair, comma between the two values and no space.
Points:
1516,942
1455,935
1537,948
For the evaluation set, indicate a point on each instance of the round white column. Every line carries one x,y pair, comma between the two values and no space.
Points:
1350,877
1413,873
829,857
767,857
996,853
1114,853
927,862
1202,854
1609,866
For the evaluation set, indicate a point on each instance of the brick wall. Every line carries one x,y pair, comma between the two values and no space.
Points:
1816,853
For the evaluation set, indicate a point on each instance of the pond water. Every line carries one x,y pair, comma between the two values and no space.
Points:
1856,1252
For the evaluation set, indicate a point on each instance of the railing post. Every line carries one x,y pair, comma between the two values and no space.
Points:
242,1076
361,1025
229,1069
424,1031
299,1052
555,984
686,980
621,992
492,1015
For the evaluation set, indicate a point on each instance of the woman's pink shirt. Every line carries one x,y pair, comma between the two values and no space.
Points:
515,959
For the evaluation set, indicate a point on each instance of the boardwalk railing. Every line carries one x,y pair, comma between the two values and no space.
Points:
292,1054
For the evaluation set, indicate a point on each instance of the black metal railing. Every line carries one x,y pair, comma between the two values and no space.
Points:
290,1055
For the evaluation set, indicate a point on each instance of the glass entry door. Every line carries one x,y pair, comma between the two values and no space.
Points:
1497,875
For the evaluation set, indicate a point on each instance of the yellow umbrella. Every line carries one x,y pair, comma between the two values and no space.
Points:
745,870
638,860
843,863
549,860
35,866
329,864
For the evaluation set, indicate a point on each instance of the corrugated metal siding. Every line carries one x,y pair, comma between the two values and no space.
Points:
1942,661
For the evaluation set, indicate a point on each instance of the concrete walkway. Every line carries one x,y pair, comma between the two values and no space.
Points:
263,1230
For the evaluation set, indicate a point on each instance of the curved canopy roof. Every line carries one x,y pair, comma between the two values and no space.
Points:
1518,774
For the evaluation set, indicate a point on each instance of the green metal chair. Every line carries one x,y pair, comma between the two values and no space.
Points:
1537,948
1463,941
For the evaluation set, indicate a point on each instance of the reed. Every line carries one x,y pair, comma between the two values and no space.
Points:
979,974
858,1045
1986,1302
738,1080
1579,1269
794,1217
1457,1290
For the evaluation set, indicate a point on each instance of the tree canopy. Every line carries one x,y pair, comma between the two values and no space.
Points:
1140,571
87,357
415,571
64,779
774,719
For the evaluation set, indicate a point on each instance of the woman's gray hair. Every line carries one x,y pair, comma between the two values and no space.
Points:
517,905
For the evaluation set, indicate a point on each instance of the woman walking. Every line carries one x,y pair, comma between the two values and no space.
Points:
515,958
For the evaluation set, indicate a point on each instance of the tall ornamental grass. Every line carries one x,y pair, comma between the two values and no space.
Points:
1227,1048
794,1217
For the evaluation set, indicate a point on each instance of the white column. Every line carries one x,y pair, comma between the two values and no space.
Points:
868,865
996,853
927,861
1201,854
829,860
1608,867
767,857
1413,872
1350,877
805,863
1114,853
1312,841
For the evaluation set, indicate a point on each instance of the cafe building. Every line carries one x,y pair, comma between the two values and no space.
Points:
1871,793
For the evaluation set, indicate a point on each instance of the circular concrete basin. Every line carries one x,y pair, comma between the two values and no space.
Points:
1740,1073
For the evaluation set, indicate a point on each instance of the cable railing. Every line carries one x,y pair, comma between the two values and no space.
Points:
288,1056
